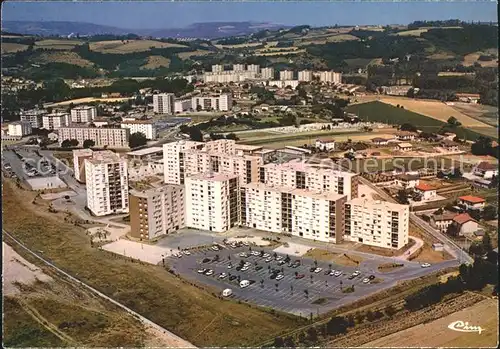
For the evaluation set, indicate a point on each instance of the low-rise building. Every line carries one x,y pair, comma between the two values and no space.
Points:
379,141
404,147
325,144
19,129
466,225
449,146
486,170
157,211
472,202
182,105
405,136
442,221
102,137
146,127
426,191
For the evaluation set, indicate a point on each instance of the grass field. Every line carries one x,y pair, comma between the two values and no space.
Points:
187,55
188,311
12,47
384,112
90,99
63,57
60,44
358,62
484,113
472,58
441,56
128,46
326,39
247,45
156,62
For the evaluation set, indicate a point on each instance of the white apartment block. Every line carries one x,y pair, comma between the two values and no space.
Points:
217,68
303,213
146,127
163,103
238,67
254,68
305,75
103,137
173,160
377,223
212,202
83,114
107,183
300,175
267,73
157,211
79,156
55,121
224,102
330,77
182,105
34,117
19,129
284,83
286,75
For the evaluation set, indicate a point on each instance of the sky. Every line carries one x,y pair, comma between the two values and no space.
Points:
156,14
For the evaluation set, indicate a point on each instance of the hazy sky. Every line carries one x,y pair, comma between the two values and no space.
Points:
156,14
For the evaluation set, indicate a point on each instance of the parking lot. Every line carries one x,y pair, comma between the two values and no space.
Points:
314,292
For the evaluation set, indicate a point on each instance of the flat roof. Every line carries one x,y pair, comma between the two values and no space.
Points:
145,151
367,202
301,192
154,191
215,177
104,156
247,147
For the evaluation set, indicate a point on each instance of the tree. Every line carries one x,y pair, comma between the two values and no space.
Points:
408,127
289,342
195,134
402,196
232,136
482,146
453,122
66,143
337,325
389,310
73,143
487,246
278,342
137,139
453,230
88,143
312,334
490,213
370,316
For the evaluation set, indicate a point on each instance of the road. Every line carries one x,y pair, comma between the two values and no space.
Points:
138,316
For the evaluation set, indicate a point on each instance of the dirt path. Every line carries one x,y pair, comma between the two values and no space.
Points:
418,243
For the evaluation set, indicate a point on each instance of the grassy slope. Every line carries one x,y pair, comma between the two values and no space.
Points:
381,112
191,313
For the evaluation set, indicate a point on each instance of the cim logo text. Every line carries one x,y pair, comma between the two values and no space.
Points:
462,326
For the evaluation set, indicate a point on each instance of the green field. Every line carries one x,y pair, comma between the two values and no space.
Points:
381,112
304,137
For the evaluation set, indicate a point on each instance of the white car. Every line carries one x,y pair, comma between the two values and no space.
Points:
215,248
266,255
317,270
201,271
229,266
245,268
178,255
222,275
255,253
366,280
243,254
356,273
332,273
245,243
338,273
280,276
269,259
209,272
187,253
279,258
247,264
425,265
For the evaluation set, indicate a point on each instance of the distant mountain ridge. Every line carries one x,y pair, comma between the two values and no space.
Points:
208,30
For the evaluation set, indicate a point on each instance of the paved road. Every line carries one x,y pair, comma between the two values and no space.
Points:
143,319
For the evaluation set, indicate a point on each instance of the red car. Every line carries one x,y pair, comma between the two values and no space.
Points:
300,276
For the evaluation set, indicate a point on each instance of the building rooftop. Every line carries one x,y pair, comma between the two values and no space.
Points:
409,177
104,156
446,216
153,191
471,199
145,151
213,177
424,187
83,107
405,145
377,203
486,166
137,122
301,192
247,147
83,152
379,139
325,140
463,218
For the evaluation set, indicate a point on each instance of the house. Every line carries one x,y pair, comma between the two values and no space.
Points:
325,144
380,141
466,224
468,97
442,221
404,147
408,181
405,136
472,202
426,191
449,146
485,169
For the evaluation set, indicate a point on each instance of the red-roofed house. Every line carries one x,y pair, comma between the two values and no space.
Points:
465,223
425,190
472,202
325,144
486,170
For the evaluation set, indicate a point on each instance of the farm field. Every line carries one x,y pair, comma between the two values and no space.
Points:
385,112
11,47
247,45
279,53
128,46
437,333
484,113
326,39
88,100
156,62
472,58
187,55
63,57
441,56
60,44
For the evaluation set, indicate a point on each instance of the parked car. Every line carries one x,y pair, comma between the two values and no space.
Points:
244,283
266,255
227,292
215,248
269,259
371,277
245,268
258,268
356,273
222,275
281,262
366,280
317,270
425,265
273,276
328,272
331,273
351,277
312,269
209,272
187,253
280,276
232,277
202,271
338,273
278,258
299,276
245,243
229,266
243,254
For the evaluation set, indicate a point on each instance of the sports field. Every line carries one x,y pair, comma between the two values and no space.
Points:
128,46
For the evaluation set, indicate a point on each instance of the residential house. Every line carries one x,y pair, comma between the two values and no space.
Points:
426,191
465,223
472,202
404,147
442,221
405,136
408,181
468,97
449,146
486,170
380,141
325,144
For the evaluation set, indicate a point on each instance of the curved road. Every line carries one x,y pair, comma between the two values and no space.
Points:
128,310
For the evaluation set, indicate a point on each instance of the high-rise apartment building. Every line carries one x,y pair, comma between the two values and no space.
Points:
286,75
34,117
212,201
305,75
330,77
164,103
107,183
173,160
146,127
377,223
182,105
157,211
109,137
19,129
267,73
303,213
254,68
217,68
55,120
238,67
79,156
83,114
300,175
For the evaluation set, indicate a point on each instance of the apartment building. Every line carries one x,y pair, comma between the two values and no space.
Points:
212,201
157,211
182,105
217,68
300,175
377,223
173,159
109,137
300,212
19,129
286,75
146,127
83,114
305,75
163,103
224,102
267,73
55,120
238,67
34,117
107,183
330,77
79,156
254,68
